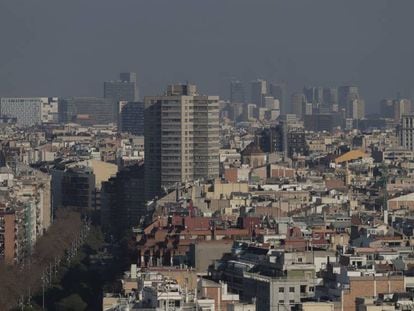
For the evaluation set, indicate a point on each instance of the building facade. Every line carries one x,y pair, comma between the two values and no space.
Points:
347,94
131,118
237,93
259,90
88,111
30,111
406,132
298,102
124,89
279,92
122,199
181,137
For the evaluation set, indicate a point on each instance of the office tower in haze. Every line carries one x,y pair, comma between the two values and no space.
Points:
313,95
128,77
279,91
330,98
88,111
347,94
30,111
131,118
402,107
298,102
259,90
124,89
181,138
387,108
237,93
356,109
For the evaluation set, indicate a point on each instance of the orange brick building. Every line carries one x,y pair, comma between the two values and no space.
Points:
370,286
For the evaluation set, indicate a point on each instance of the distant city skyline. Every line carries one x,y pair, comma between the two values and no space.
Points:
325,44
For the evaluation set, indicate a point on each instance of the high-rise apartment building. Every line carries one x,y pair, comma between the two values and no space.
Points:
124,89
279,91
122,199
30,111
406,131
287,137
88,111
259,90
131,118
237,92
78,187
181,137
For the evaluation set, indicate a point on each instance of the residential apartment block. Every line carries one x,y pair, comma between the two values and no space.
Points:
181,137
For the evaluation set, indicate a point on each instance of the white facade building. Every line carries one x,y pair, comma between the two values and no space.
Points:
30,111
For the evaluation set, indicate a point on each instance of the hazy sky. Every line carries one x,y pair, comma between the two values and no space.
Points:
69,47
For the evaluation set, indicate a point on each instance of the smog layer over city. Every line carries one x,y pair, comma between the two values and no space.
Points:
221,155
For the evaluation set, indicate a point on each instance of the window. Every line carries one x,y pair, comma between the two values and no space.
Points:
291,302
281,302
281,289
291,289
311,289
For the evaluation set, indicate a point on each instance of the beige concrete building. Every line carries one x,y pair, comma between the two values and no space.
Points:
404,202
181,137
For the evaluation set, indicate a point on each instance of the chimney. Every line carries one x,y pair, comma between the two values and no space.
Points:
386,216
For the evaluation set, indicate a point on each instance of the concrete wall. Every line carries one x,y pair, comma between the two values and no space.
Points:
371,286
203,253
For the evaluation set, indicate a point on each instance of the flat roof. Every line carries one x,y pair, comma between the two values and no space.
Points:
407,197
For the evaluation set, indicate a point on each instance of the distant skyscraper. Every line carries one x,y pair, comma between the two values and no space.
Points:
237,93
236,112
131,118
88,110
250,112
259,90
402,107
308,109
271,103
279,91
128,77
347,94
356,109
30,111
181,138
387,108
298,104
330,98
313,95
124,89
